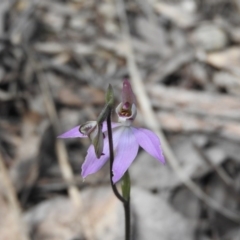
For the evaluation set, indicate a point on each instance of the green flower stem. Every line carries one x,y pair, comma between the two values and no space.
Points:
126,187
127,212
125,199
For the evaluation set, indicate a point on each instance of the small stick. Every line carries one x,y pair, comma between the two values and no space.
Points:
61,151
12,200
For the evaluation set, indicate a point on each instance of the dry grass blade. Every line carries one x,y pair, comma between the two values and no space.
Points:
60,148
62,154
12,200
219,170
153,124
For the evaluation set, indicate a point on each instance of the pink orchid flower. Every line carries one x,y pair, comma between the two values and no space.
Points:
126,139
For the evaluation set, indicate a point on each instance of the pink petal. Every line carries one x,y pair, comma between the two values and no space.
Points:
126,151
92,164
114,125
75,133
149,141
72,133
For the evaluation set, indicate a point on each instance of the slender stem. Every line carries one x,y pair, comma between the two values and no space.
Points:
126,202
110,140
127,211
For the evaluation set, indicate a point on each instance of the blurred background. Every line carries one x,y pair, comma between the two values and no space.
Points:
57,58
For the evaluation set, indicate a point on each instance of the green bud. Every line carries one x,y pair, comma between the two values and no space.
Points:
126,186
109,96
104,114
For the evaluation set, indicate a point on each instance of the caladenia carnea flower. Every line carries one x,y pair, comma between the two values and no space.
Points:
126,139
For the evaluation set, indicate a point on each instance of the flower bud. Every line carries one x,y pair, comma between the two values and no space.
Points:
109,96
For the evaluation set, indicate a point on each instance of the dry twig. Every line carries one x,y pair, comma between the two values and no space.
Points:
12,200
65,167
